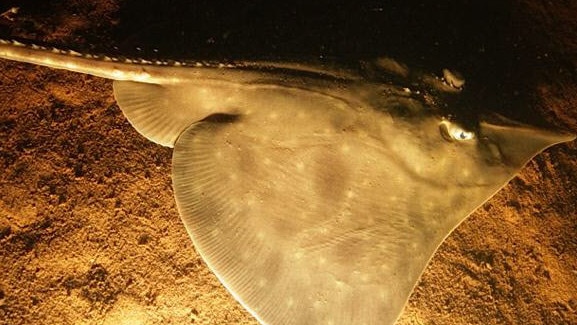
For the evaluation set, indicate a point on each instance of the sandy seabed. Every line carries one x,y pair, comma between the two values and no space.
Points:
89,231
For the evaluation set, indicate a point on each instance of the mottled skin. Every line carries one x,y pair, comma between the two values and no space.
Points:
316,195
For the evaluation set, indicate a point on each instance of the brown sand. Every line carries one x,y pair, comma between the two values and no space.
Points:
89,232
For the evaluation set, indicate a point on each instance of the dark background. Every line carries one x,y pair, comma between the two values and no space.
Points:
88,227
483,40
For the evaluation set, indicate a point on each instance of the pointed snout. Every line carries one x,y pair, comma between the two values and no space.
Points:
519,143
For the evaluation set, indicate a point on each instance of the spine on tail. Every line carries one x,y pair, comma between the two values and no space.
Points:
96,65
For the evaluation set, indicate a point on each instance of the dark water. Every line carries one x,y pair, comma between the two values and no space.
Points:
430,32
472,37
475,37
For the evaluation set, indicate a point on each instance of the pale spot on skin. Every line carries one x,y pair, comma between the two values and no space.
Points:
71,66
118,74
300,166
135,76
339,285
290,302
366,182
266,161
350,194
384,295
317,304
385,268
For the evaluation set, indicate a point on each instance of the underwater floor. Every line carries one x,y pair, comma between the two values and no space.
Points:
89,231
